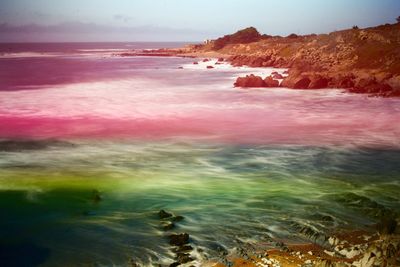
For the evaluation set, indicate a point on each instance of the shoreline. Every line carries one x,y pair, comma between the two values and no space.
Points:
362,61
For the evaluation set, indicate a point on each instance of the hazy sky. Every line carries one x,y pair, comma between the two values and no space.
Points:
182,20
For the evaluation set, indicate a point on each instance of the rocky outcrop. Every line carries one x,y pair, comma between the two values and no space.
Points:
249,81
359,60
255,81
271,82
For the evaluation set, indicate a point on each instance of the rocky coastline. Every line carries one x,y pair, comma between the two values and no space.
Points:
365,61
357,248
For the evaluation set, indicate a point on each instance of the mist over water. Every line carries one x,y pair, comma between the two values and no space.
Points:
242,166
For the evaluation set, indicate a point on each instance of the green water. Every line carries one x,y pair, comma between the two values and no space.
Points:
230,195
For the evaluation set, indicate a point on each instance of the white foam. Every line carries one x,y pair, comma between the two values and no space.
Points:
225,66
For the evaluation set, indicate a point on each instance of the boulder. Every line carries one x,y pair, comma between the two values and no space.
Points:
277,76
302,83
249,81
206,60
318,83
179,239
168,226
371,86
220,59
195,63
210,67
163,214
270,82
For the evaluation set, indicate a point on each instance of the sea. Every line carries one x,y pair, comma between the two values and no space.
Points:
93,145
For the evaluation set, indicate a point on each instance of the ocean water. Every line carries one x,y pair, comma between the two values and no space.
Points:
93,145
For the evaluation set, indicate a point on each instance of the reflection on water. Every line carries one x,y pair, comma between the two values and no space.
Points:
228,194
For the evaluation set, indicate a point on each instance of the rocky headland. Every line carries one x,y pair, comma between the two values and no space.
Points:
358,60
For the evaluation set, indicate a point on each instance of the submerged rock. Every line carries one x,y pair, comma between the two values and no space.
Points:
96,197
163,214
179,239
168,226
177,218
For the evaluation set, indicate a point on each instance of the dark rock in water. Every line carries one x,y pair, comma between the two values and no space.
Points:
387,225
163,214
174,264
179,239
184,248
195,63
180,67
210,67
184,258
168,226
220,59
96,197
177,218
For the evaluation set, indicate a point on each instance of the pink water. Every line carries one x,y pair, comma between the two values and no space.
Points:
96,95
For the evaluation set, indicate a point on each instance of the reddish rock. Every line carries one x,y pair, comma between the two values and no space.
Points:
302,83
277,76
345,82
249,81
318,83
286,72
206,60
220,59
270,82
371,86
195,63
210,67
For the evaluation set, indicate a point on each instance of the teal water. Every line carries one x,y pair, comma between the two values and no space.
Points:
230,195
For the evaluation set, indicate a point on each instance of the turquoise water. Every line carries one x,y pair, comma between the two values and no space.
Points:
228,194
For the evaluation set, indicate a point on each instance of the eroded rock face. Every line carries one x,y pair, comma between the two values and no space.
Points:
318,83
302,83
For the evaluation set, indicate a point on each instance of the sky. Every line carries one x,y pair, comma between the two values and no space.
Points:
182,20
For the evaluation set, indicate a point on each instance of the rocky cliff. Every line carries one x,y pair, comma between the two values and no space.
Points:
360,60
